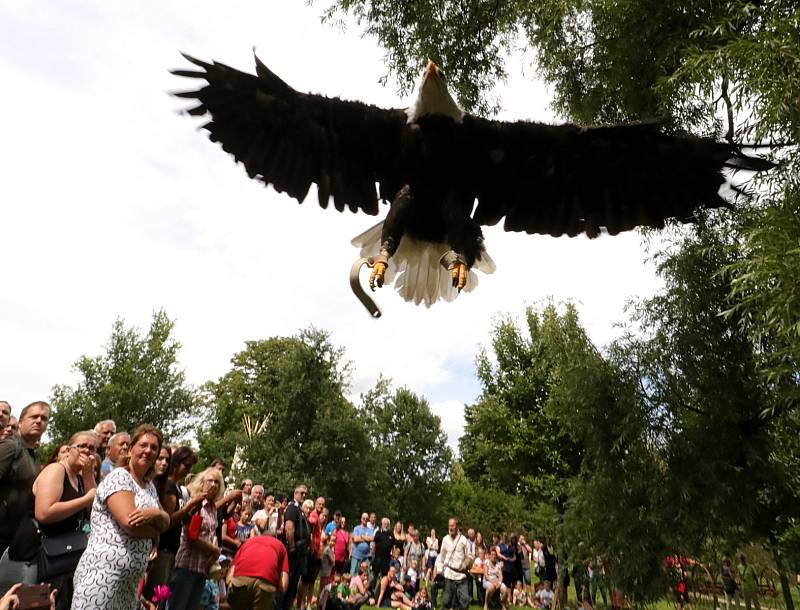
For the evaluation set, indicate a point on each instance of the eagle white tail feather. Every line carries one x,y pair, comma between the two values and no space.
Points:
415,268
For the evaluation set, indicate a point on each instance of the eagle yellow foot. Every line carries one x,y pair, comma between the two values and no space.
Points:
376,276
457,266
459,272
378,264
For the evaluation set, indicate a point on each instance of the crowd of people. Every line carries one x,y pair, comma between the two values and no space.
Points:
117,519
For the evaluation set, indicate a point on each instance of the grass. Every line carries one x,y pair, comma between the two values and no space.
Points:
775,603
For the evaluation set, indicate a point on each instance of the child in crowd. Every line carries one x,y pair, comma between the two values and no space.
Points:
327,591
421,600
358,587
327,565
544,596
342,590
395,560
520,596
244,528
412,576
214,596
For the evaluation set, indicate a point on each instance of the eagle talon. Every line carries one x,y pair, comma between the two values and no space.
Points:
376,276
459,272
457,266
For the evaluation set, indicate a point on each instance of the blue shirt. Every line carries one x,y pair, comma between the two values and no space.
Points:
507,551
361,549
330,527
106,466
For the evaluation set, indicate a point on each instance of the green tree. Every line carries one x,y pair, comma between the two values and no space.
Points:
512,438
302,428
607,61
411,456
489,510
764,289
688,450
137,380
715,396
718,66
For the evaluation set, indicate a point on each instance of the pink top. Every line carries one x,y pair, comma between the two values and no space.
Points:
340,546
356,584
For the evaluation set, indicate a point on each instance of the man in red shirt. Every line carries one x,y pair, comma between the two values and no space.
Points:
260,570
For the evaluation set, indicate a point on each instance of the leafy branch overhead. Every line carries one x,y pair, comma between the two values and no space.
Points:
607,61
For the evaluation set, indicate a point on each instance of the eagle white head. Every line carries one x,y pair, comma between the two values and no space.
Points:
433,97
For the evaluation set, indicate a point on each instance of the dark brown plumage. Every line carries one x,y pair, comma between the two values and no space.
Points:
548,179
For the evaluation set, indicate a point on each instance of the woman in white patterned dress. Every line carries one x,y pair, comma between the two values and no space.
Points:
126,516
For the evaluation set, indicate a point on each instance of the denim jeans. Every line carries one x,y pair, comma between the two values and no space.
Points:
187,587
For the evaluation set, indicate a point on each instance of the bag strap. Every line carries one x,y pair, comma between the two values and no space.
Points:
452,552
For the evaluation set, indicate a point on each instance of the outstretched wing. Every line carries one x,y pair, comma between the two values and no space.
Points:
570,180
290,139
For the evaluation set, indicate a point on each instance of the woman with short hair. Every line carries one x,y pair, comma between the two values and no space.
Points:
126,518
63,493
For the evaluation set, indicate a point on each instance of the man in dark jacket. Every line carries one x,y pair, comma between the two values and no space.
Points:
19,467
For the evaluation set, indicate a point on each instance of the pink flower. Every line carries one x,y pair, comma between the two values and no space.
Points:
161,593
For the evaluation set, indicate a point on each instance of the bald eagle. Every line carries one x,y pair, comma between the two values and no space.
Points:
445,173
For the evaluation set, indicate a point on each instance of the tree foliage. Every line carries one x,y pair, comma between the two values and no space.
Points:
718,67
492,510
512,438
607,61
302,428
137,380
411,457
688,452
764,289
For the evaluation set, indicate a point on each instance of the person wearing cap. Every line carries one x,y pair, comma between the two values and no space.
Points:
260,570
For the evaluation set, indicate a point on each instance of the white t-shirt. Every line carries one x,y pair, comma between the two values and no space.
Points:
545,598
272,521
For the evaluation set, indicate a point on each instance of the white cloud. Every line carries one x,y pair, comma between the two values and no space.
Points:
114,205
451,413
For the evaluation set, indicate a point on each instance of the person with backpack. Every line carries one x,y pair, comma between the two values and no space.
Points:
19,467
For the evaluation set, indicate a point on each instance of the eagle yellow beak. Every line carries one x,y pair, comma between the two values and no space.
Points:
431,69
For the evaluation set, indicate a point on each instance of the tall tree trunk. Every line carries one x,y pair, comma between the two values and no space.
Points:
786,588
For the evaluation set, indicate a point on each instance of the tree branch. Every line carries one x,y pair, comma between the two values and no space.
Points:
728,110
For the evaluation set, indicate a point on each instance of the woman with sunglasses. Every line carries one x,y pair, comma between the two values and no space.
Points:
64,492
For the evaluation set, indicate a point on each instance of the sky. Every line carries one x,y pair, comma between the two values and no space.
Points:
113,204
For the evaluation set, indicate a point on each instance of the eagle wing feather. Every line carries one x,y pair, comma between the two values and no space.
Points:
290,139
569,180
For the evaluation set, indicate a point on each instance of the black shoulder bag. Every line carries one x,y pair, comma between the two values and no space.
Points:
60,554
